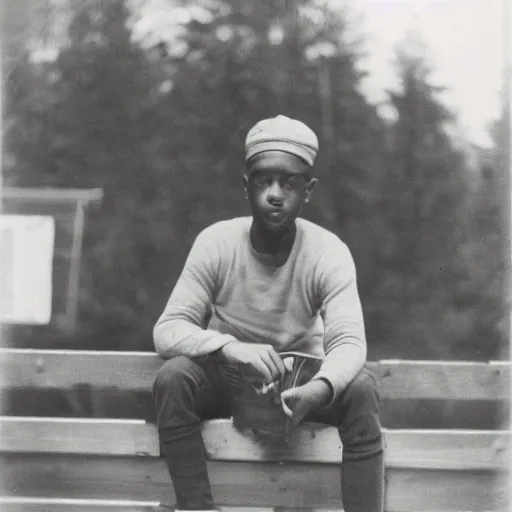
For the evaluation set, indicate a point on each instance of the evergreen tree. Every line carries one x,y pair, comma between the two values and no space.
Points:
162,131
248,60
424,223
484,292
102,128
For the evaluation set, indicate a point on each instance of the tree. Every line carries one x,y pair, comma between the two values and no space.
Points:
101,128
424,222
157,129
162,129
248,60
485,289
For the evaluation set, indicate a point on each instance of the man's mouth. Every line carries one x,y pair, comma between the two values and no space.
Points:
276,214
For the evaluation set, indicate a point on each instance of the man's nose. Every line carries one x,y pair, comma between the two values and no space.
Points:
275,192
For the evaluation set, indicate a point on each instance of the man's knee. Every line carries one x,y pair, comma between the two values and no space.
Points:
361,430
175,396
363,390
172,374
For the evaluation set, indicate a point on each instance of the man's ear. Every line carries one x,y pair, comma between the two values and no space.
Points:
245,182
309,189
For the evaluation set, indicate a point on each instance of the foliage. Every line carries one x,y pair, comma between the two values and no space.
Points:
162,129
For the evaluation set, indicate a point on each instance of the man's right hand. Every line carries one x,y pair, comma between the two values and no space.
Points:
259,361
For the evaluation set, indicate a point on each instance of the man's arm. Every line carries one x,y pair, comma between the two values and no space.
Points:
344,338
179,329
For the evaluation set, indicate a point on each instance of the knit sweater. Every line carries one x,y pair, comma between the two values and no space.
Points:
309,304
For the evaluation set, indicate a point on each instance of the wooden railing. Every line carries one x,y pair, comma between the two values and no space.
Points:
50,463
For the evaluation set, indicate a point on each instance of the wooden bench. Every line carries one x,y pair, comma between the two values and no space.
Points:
92,464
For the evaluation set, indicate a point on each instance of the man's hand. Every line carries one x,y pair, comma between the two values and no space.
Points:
259,361
299,402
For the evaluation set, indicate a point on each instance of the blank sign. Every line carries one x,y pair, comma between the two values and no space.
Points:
26,259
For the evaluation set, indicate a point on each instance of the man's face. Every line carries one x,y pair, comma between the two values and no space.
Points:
277,185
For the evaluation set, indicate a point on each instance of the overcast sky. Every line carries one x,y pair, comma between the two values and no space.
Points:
465,40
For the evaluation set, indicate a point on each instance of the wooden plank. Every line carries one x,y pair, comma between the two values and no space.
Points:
246,484
443,380
434,449
425,490
146,478
64,369
312,442
24,504
52,194
136,437
28,504
80,436
448,449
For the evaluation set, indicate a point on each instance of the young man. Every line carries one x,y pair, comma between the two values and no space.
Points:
270,283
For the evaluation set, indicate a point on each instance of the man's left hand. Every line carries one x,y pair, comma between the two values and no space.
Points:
299,402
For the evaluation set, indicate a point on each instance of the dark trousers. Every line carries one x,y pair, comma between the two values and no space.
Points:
187,392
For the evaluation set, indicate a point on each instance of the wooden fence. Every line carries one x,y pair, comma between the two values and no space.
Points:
53,464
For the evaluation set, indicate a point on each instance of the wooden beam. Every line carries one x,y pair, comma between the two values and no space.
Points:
428,449
458,450
31,504
45,194
458,380
423,490
25,504
74,267
312,442
245,484
432,449
64,369
146,478
78,436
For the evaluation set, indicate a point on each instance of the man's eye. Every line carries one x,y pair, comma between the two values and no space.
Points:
261,182
291,183
286,184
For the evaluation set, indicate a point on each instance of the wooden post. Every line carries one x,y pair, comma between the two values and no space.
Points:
74,268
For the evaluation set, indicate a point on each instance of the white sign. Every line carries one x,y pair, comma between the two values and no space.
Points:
26,260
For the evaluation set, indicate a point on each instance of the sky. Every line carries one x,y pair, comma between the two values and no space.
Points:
465,42
464,39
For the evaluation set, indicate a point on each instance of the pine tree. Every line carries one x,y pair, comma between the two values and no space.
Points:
424,223
249,60
102,127
484,292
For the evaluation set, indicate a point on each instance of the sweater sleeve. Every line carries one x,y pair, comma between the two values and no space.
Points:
344,336
179,329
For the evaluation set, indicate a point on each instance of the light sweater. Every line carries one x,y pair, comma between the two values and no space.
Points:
310,304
